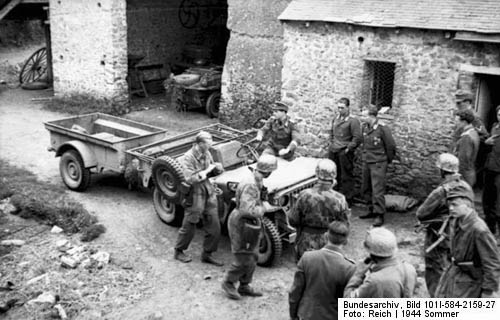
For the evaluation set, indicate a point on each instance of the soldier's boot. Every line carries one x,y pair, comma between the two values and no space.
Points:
246,290
208,258
379,220
230,290
181,256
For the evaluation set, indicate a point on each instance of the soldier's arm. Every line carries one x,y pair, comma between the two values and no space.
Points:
297,289
356,134
191,172
294,217
464,153
295,136
490,261
389,143
249,202
434,200
481,129
352,290
265,129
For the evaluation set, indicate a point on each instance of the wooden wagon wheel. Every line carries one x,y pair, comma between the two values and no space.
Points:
189,13
35,67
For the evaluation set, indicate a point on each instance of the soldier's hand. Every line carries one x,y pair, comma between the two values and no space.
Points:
283,152
218,166
258,138
269,207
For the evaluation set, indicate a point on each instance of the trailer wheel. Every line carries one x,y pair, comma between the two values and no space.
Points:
73,173
212,105
270,246
167,175
168,212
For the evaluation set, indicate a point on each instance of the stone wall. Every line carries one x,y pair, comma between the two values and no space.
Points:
252,71
323,62
89,48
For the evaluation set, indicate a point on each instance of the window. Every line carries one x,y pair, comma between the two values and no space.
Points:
378,83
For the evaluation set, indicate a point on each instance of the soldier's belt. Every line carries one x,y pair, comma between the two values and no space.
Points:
314,230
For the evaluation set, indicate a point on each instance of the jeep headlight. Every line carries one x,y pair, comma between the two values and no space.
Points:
281,201
232,186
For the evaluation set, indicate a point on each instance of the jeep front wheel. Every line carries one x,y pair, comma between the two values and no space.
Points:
168,212
270,245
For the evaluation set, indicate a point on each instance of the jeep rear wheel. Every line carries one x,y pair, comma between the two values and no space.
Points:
270,246
168,212
167,176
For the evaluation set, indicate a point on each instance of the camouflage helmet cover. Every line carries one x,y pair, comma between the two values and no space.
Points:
447,162
326,170
267,163
381,242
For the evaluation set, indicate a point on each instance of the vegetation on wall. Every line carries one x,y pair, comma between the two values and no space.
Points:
83,104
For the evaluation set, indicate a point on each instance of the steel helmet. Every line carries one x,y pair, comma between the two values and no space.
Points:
447,162
459,189
326,170
267,163
381,242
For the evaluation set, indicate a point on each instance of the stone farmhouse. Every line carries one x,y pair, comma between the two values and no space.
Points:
410,56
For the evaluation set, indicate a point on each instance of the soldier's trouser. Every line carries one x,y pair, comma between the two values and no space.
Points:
373,187
211,227
345,167
491,199
242,268
309,241
435,262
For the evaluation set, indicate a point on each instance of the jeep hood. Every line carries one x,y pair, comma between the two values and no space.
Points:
288,173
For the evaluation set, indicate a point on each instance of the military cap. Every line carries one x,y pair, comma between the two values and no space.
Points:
462,95
460,190
279,105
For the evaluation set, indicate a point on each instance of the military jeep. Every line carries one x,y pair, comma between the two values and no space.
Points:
234,149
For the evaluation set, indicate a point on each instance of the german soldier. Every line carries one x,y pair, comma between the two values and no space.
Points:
316,208
199,166
382,274
345,137
244,230
321,277
284,135
434,214
379,150
474,262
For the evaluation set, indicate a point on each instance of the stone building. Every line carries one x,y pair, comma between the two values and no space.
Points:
410,56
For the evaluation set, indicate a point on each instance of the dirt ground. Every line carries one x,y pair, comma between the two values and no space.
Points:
136,236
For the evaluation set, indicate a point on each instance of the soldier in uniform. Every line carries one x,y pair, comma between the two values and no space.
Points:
434,214
284,135
316,208
244,230
464,102
199,166
491,192
379,150
345,137
321,277
467,146
382,274
474,268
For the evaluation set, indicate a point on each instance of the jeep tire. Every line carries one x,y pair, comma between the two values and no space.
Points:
168,176
168,212
270,246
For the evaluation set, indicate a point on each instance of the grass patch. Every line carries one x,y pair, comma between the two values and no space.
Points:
83,104
45,202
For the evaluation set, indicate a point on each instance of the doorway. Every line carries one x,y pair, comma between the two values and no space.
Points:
488,98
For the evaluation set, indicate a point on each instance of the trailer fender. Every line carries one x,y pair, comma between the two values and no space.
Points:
88,157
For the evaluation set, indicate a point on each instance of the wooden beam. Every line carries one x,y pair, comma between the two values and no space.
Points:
495,71
35,1
8,7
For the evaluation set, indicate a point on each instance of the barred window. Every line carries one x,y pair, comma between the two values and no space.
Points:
378,83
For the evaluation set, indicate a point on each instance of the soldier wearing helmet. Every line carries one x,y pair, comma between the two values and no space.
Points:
283,133
474,269
198,166
316,208
244,226
382,274
432,214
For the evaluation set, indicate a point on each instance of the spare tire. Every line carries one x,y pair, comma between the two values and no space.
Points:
187,79
168,176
